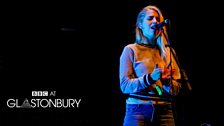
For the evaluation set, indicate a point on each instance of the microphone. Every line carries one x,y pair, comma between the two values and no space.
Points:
160,25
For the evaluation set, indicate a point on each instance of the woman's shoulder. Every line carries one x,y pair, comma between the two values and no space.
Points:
131,45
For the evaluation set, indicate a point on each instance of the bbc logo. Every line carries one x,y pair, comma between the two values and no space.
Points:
39,93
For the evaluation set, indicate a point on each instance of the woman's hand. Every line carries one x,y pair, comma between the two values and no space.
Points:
156,73
166,73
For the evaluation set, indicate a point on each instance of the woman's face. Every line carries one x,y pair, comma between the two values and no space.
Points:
151,18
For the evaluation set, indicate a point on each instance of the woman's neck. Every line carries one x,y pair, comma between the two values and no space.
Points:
150,42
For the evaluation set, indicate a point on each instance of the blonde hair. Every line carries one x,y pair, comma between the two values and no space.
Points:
161,40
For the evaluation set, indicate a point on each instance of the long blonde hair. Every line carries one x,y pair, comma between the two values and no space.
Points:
161,40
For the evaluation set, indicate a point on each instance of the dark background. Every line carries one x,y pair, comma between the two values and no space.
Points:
73,48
